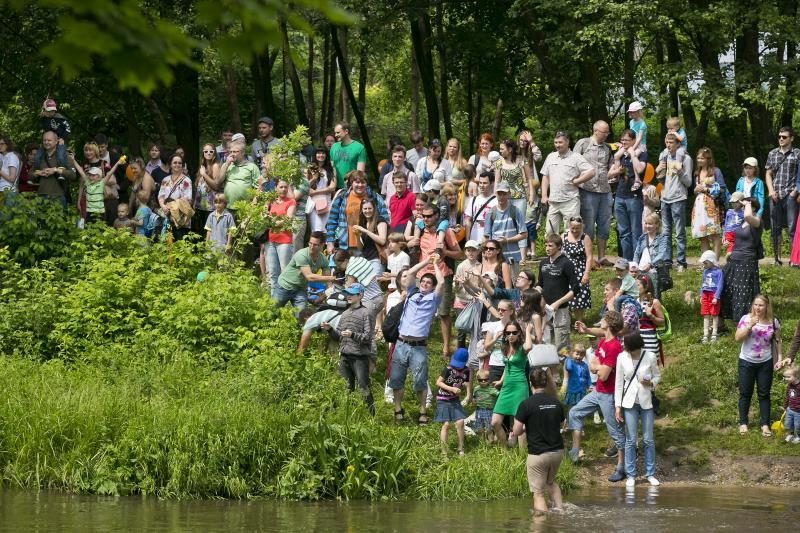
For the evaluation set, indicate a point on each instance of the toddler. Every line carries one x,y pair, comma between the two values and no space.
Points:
396,259
123,221
792,405
674,126
629,287
93,183
734,217
710,293
432,189
219,223
639,127
576,374
484,396
451,381
142,221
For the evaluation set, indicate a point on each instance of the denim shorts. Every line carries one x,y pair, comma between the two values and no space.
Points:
449,411
405,358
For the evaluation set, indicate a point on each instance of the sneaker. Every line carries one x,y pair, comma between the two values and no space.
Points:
611,451
713,338
681,268
796,440
653,481
618,475
461,454
574,455
789,438
704,339
597,419
630,483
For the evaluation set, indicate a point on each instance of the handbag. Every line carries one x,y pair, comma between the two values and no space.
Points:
321,205
466,319
543,355
663,277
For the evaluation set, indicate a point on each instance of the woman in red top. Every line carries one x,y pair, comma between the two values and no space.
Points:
279,248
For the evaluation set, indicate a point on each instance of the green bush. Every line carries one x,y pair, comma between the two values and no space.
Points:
33,228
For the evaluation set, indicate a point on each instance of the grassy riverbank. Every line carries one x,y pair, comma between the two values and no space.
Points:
123,375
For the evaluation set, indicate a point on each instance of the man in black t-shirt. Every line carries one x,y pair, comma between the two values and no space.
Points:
540,417
558,283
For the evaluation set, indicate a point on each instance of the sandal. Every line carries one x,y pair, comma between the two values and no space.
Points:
400,415
742,429
422,419
765,432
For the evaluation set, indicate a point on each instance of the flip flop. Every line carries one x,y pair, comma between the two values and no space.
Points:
765,432
742,429
422,419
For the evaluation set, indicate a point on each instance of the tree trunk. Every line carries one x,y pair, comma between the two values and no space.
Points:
134,133
663,91
332,94
597,96
682,105
186,112
326,66
627,71
498,119
443,75
372,166
312,111
344,107
748,78
468,106
420,33
414,93
229,76
261,70
478,109
790,79
363,58
158,118
297,87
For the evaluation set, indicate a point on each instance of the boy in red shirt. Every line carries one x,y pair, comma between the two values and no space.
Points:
604,365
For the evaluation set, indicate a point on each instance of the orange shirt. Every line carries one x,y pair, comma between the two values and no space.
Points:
352,212
427,245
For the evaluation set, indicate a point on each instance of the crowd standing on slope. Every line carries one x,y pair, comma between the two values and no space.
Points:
454,236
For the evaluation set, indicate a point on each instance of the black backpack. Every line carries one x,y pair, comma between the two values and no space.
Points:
391,322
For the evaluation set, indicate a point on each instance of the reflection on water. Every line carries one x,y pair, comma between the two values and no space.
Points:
651,509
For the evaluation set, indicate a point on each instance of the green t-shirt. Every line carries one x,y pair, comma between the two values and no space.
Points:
485,397
345,157
292,279
239,179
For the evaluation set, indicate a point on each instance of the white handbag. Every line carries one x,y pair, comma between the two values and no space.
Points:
543,355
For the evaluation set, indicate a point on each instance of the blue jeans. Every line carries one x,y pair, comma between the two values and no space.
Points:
791,423
782,214
751,374
588,405
674,214
596,211
278,256
632,417
405,358
298,297
628,212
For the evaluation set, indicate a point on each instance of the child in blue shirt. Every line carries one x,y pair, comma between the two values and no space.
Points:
576,372
710,294
639,127
734,217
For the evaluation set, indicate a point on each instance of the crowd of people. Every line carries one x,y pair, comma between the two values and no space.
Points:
453,236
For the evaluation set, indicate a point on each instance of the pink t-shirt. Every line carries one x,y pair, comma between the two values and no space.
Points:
606,354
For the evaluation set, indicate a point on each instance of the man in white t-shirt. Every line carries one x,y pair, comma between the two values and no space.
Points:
475,212
562,172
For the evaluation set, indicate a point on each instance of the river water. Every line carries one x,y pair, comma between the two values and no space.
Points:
650,509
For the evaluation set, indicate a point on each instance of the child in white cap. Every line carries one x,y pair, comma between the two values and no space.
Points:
710,294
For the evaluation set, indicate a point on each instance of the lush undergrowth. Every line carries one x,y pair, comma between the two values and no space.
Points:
123,375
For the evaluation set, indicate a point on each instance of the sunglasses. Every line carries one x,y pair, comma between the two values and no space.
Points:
512,332
483,381
783,136
576,219
428,216
488,248
208,151
503,310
